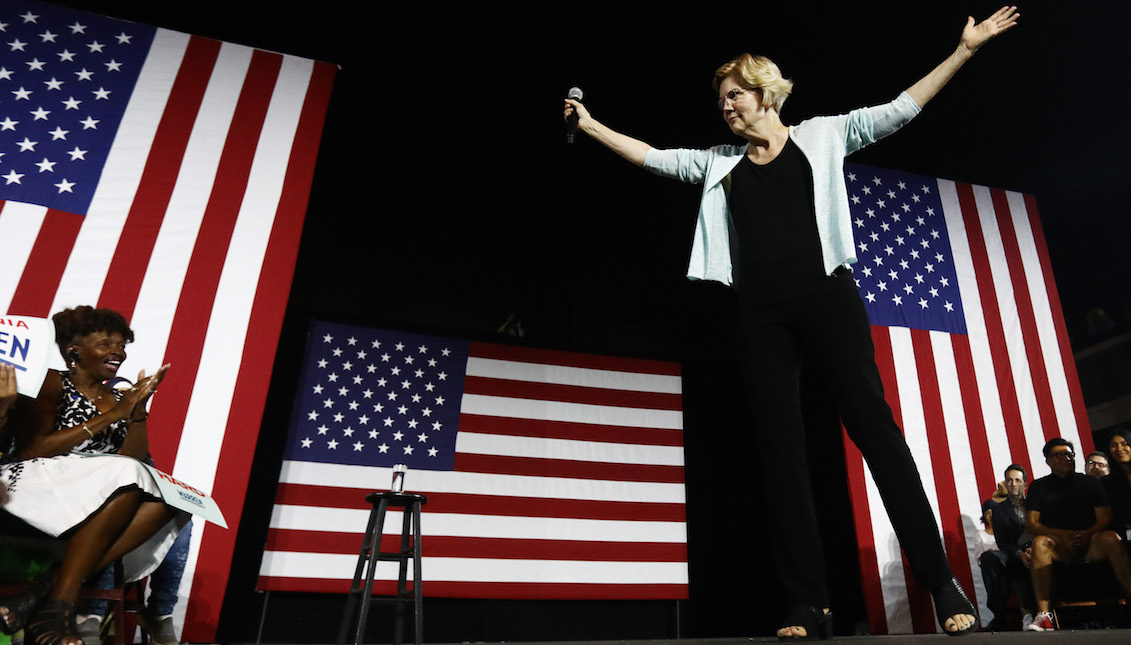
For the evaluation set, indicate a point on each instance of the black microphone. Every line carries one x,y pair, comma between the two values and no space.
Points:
575,94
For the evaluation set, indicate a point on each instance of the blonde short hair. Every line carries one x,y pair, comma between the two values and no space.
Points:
757,72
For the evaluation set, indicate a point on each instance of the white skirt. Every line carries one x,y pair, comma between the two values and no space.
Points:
57,494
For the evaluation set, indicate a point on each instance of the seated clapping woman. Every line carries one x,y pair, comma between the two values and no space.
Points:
106,507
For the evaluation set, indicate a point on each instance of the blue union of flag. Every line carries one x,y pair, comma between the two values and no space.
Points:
905,269
372,397
64,85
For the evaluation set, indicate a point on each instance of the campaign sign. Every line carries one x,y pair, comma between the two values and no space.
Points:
27,344
178,494
187,498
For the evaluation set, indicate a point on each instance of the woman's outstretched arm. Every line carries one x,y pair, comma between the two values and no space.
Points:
973,37
631,149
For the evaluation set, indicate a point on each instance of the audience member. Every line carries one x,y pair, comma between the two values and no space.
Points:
1097,465
992,563
1014,543
987,518
106,508
1069,515
1118,483
157,616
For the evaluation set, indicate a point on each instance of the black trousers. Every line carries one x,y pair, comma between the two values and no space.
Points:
828,331
1003,576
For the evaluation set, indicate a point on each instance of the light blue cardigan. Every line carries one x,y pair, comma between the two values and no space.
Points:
825,141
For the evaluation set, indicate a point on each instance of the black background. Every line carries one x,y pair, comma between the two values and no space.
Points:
444,199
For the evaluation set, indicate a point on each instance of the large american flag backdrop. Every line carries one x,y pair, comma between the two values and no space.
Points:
165,176
548,474
974,357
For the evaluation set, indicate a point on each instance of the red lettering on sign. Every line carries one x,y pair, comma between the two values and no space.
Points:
171,479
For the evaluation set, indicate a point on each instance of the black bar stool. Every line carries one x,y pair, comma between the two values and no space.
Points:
371,554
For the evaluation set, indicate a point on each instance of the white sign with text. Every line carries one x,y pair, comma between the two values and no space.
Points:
27,343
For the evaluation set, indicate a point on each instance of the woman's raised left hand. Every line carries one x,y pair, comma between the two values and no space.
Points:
976,35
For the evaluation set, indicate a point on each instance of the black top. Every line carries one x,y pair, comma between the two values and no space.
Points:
1119,495
1011,529
774,237
1066,502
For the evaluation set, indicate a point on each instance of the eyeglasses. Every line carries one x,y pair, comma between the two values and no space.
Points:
1067,454
731,96
1093,462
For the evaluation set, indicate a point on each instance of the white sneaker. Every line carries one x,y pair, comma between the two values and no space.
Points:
1026,620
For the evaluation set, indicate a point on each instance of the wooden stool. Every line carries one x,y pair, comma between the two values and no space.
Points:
371,554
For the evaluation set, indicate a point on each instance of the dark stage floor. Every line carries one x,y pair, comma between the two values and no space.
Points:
1065,637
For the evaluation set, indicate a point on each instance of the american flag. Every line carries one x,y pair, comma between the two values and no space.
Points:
165,176
548,474
974,357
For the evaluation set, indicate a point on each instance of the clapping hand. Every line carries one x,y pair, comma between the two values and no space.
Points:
136,397
976,35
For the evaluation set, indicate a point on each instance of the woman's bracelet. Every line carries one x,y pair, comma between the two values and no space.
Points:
87,430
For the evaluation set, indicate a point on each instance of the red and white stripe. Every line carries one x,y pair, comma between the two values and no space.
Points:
568,483
971,405
192,234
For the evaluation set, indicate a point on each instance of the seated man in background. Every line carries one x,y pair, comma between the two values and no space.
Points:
1014,543
1069,515
1097,465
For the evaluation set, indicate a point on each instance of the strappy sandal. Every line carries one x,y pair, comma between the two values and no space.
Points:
54,624
950,601
817,624
15,611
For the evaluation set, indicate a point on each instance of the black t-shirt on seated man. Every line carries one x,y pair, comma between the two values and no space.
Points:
1066,502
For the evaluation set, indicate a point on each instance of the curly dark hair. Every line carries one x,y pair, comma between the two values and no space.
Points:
72,324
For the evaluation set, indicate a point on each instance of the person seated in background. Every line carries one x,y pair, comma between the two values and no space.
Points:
992,563
1014,544
1069,515
157,616
987,519
106,508
1096,465
1118,483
